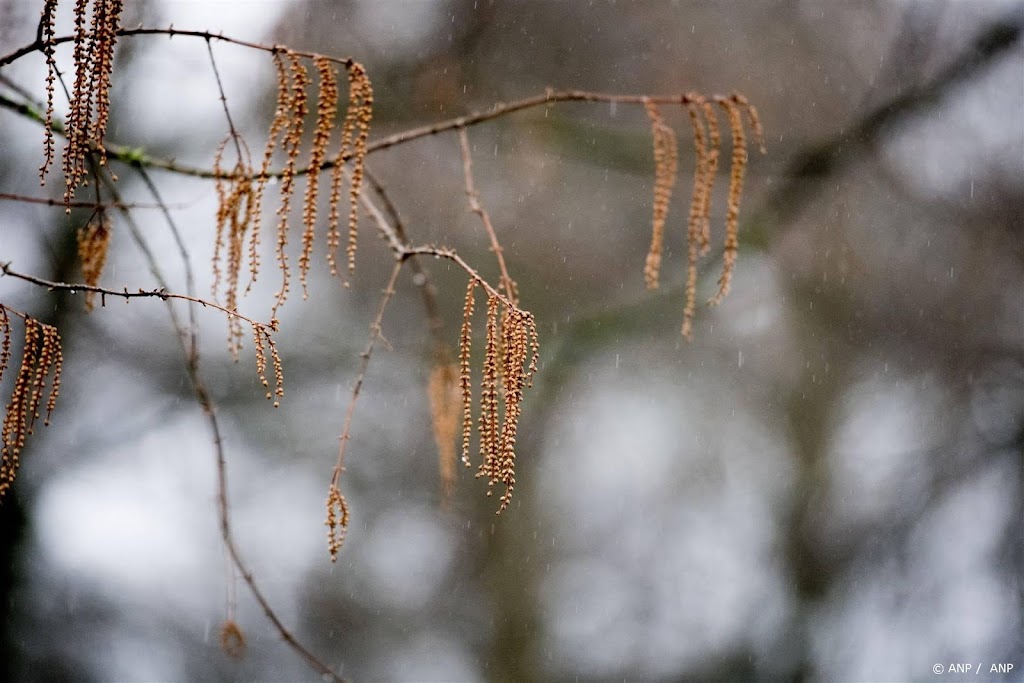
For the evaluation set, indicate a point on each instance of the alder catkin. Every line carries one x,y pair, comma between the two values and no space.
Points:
732,217
666,156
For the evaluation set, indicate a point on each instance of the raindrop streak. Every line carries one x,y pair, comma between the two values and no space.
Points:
740,359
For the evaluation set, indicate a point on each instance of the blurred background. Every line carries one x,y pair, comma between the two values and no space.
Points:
826,484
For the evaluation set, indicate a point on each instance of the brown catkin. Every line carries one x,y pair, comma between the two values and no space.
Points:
355,131
291,142
511,358
465,378
710,173
701,187
666,156
753,118
44,361
5,342
89,112
41,354
444,395
58,366
337,520
517,332
220,188
261,358
235,198
327,110
47,26
93,246
275,358
80,105
262,341
361,99
488,421
111,14
232,640
736,173
277,125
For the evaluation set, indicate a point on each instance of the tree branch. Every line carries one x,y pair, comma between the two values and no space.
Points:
159,293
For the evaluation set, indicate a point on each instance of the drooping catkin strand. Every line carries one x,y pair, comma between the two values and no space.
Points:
753,118
444,395
337,520
696,218
275,359
46,360
291,142
234,218
465,378
89,111
261,359
5,343
262,341
41,358
511,354
80,106
519,332
58,366
508,357
710,173
48,27
327,110
666,156
355,131
736,174
488,422
362,100
232,640
277,125
104,67
93,246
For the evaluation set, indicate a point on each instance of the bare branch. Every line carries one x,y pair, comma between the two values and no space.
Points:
160,293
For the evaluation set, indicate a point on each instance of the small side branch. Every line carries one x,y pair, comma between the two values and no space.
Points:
507,283
337,508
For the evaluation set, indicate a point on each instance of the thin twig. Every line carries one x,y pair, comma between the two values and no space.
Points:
387,231
451,255
26,199
375,334
224,102
403,251
476,207
420,275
